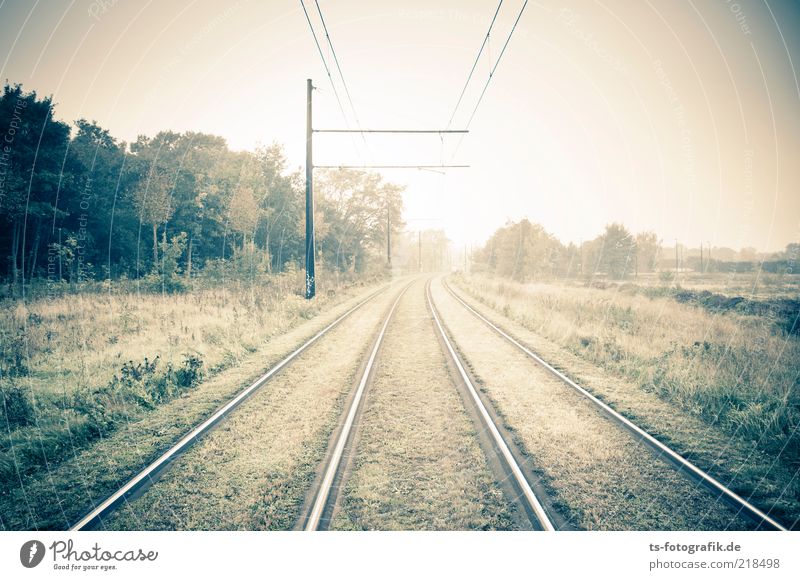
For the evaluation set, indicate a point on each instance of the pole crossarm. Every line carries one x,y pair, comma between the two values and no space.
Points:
423,131
390,166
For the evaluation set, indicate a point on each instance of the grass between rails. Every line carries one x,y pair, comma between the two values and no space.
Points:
56,476
733,405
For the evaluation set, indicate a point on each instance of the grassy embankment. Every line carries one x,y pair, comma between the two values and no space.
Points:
75,370
736,370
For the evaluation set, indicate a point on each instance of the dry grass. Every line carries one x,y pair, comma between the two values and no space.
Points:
80,341
77,472
730,369
720,388
418,463
755,285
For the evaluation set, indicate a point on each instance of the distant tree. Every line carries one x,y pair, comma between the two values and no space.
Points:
524,251
748,254
152,200
648,248
618,251
353,206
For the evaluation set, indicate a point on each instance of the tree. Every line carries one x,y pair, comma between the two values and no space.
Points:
648,249
353,206
86,199
31,156
152,200
523,251
618,251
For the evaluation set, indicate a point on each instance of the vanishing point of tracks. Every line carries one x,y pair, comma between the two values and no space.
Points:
521,486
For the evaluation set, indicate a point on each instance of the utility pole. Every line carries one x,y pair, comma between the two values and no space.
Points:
60,254
419,250
310,289
311,286
388,235
676,256
701,257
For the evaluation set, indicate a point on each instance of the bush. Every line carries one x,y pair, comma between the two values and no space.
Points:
143,384
17,407
190,373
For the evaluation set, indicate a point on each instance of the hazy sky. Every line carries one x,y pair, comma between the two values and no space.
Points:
682,117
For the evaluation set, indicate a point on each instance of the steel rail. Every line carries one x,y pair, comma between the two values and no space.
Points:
145,476
533,502
321,500
663,451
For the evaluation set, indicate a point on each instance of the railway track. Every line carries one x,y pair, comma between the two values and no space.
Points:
533,506
147,476
519,485
662,451
325,496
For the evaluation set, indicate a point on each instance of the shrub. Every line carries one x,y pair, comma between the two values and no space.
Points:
17,407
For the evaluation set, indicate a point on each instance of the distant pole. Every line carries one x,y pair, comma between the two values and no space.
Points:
311,286
465,258
701,257
388,236
60,254
419,249
676,255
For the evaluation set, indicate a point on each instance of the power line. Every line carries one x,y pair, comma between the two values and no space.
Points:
436,131
491,75
475,64
497,62
391,166
338,66
324,62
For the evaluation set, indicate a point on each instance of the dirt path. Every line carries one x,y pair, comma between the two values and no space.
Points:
601,476
417,462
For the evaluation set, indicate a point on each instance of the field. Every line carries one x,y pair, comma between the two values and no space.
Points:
728,360
751,285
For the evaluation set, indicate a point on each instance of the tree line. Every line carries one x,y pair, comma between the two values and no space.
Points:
524,251
78,204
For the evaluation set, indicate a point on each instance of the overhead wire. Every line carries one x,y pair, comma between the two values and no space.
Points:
324,62
491,75
475,64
